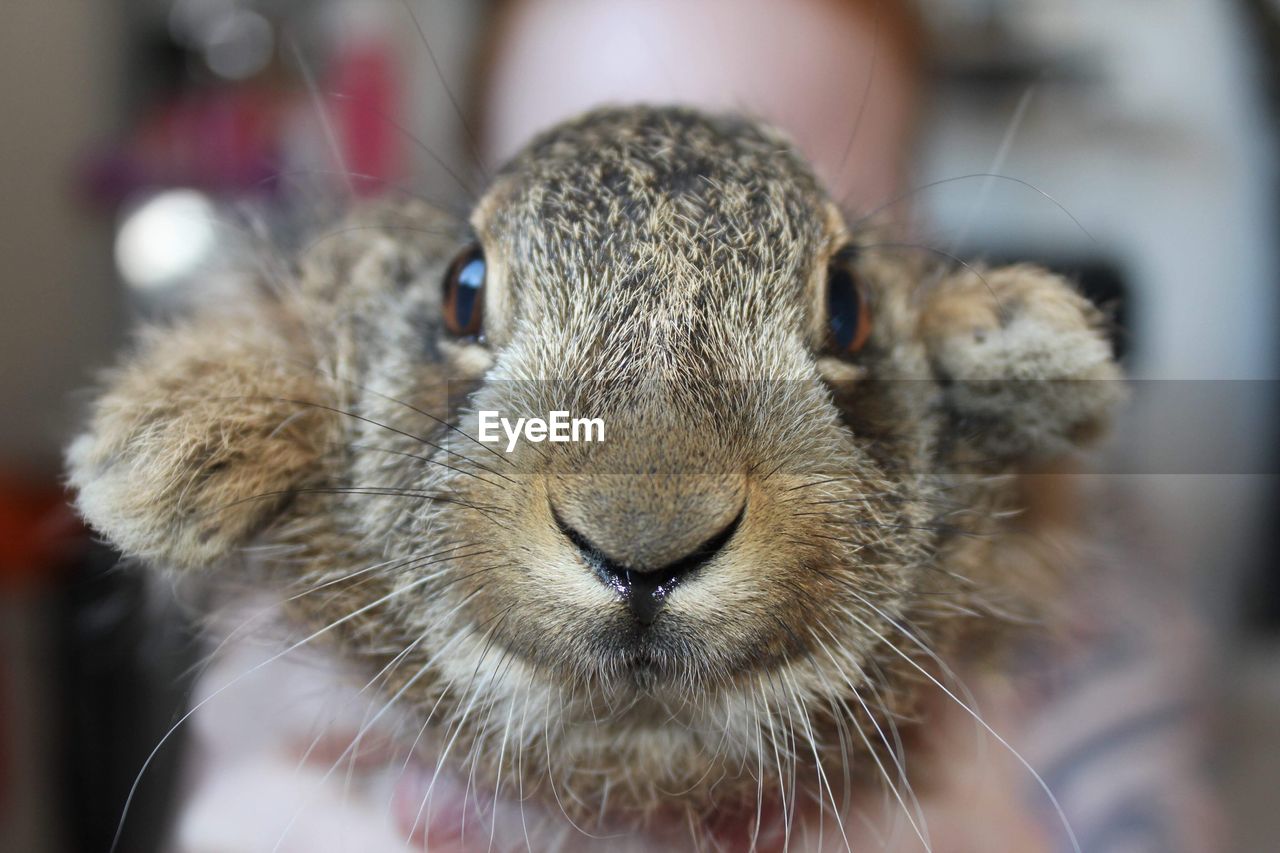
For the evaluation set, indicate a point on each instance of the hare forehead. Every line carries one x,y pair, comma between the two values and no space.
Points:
658,207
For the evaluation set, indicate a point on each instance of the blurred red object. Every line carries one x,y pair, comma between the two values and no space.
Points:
39,532
224,140
364,102
235,140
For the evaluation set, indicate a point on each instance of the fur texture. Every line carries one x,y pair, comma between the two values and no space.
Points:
663,270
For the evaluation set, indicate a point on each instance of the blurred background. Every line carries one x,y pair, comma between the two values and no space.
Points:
155,149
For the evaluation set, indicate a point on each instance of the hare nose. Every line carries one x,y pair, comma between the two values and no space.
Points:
645,590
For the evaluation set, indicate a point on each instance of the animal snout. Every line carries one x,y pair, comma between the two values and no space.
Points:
643,537
645,590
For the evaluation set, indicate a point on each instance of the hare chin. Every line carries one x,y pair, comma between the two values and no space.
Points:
293,745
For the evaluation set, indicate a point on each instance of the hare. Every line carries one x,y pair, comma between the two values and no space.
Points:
806,506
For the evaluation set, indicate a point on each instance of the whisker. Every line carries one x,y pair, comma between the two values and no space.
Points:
466,188
1002,154
262,615
497,787
333,233
921,829
444,423
821,771
453,101
403,453
133,789
326,123
372,491
397,187
394,567
364,729
866,91
1053,800
461,720
968,177
524,719
331,375
951,257
885,525
338,411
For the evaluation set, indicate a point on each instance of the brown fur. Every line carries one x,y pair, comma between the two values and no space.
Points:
667,268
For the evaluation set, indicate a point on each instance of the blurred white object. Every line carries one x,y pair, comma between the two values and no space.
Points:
167,239
239,46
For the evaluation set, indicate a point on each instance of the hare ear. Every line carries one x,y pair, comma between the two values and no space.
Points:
1027,366
199,437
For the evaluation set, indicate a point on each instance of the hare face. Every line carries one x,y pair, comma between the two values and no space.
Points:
779,519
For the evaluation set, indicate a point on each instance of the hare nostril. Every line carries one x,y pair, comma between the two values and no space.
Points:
645,590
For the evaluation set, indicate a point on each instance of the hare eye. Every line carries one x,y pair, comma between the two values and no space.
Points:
848,316
464,293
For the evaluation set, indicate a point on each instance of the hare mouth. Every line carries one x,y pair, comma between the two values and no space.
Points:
678,661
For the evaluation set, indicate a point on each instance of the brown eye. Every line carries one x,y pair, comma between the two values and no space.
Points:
848,316
464,293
